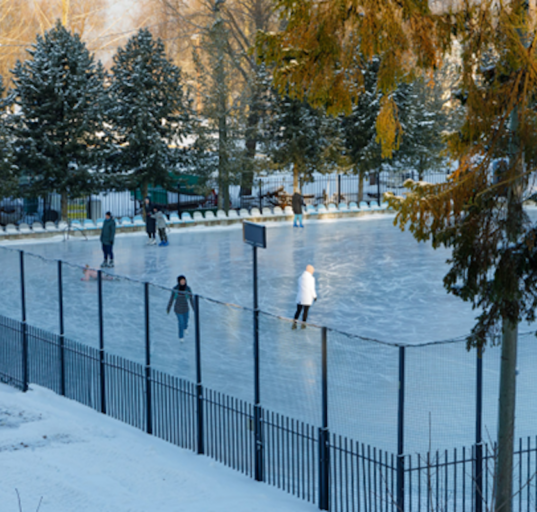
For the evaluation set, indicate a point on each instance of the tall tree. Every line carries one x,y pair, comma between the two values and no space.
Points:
358,129
300,138
60,94
9,172
148,111
195,25
478,214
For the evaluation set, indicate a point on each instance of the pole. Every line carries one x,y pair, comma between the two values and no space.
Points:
260,196
338,189
62,329
378,186
400,434
148,392
24,327
199,386
101,341
258,413
324,435
478,434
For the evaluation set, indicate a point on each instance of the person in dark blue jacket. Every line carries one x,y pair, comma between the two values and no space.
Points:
108,234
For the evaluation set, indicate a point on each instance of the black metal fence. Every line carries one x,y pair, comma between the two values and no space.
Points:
274,190
310,460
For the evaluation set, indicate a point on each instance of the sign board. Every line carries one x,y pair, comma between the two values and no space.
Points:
254,234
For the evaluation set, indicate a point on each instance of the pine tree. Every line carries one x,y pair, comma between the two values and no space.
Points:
300,137
9,172
359,133
57,131
149,113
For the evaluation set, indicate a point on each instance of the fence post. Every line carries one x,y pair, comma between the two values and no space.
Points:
324,435
260,195
478,475
258,413
400,434
101,341
338,189
24,327
62,329
199,386
378,187
148,405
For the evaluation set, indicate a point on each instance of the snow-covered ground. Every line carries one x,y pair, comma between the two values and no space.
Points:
74,458
373,280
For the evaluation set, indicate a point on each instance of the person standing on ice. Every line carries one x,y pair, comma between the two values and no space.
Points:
150,222
160,219
108,234
297,203
306,295
182,295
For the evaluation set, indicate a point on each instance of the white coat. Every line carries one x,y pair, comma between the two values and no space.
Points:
306,289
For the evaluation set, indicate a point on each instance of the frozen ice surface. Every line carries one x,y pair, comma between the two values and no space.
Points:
372,280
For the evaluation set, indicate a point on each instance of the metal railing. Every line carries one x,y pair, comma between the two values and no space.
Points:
267,191
307,459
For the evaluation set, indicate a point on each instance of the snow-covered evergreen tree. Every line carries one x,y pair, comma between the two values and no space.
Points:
298,137
423,120
9,172
149,113
359,132
58,125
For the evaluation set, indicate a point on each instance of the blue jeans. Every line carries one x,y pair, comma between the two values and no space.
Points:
182,320
298,218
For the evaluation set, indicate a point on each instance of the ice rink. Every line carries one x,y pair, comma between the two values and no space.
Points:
372,280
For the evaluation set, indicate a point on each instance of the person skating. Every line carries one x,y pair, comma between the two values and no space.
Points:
108,234
182,295
150,222
297,203
160,218
306,295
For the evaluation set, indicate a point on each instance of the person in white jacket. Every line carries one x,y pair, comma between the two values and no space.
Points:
306,295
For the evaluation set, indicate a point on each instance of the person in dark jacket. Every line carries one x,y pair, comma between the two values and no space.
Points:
150,222
297,201
182,295
108,234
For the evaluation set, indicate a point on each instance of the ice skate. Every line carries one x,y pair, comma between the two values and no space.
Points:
111,264
153,241
148,242
182,340
161,244
293,326
303,326
104,264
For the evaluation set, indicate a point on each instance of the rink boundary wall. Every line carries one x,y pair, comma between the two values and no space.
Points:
75,231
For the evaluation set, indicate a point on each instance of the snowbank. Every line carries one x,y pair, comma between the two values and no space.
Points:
77,459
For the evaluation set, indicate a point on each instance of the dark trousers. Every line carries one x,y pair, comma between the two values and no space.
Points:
162,234
299,310
151,234
107,251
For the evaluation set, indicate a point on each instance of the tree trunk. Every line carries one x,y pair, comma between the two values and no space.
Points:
145,192
360,187
64,204
296,172
506,418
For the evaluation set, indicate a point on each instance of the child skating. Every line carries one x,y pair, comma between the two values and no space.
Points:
160,219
